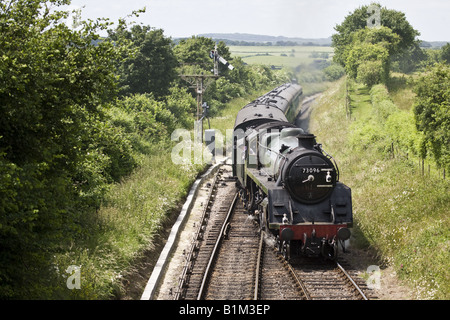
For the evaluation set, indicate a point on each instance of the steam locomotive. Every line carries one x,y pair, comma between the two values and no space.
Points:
286,178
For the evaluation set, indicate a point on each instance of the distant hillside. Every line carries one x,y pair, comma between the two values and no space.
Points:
432,44
253,39
247,39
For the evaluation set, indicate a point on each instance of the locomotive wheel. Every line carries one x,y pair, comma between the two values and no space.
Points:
343,246
250,201
250,196
278,244
262,219
286,250
262,223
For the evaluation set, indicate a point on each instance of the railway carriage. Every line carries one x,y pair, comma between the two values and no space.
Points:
287,179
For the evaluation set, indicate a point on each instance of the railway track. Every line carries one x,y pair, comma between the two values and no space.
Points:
276,282
232,274
325,280
232,259
220,199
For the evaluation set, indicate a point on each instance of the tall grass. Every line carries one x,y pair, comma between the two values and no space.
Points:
400,90
398,212
127,224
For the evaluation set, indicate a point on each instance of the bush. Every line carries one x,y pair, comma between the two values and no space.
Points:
371,73
182,105
431,111
369,134
382,104
152,119
366,52
334,72
379,93
403,132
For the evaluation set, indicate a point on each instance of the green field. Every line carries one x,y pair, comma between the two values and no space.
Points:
305,63
280,55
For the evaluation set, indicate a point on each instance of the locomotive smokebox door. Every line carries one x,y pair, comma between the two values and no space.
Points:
210,140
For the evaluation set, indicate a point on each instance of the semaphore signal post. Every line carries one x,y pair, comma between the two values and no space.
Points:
200,82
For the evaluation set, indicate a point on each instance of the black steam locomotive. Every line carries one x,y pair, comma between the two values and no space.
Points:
287,179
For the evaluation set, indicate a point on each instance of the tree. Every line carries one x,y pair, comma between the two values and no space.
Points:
369,63
382,36
446,53
54,81
409,60
432,111
194,52
371,72
334,72
357,20
368,55
151,69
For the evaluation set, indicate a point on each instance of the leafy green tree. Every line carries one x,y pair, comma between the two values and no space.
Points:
334,72
409,60
432,111
368,56
195,51
431,58
368,63
54,81
446,53
382,36
182,105
193,55
152,68
371,72
357,20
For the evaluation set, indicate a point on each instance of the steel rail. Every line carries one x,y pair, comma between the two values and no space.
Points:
352,281
193,247
258,266
298,280
216,249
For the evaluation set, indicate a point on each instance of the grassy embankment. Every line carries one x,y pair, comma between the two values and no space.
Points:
129,221
133,216
400,213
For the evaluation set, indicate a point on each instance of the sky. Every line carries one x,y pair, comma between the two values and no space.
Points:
290,18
